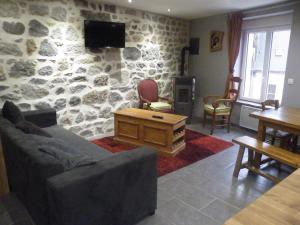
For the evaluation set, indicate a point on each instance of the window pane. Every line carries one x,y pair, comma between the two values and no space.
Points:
279,53
254,65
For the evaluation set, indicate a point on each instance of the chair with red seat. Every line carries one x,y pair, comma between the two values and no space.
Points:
149,98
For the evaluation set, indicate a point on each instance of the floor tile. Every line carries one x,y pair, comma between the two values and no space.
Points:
189,194
219,210
182,214
156,219
163,196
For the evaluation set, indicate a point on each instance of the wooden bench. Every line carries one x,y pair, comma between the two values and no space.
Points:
273,152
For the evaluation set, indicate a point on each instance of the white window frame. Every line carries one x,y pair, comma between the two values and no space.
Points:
269,24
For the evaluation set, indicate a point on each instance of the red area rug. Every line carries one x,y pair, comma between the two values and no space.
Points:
198,146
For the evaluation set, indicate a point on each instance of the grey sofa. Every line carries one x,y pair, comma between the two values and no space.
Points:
119,189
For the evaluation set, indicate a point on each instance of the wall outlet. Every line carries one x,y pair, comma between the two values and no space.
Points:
290,81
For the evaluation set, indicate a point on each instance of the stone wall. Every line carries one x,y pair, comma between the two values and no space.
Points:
43,61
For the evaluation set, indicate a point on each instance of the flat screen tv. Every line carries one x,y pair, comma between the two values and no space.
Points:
100,34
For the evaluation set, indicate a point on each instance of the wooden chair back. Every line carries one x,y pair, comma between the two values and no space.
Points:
147,90
234,91
268,104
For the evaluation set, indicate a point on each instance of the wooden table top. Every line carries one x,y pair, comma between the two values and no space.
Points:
285,116
148,115
278,206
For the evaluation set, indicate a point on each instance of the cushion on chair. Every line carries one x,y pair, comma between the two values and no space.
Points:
221,109
160,106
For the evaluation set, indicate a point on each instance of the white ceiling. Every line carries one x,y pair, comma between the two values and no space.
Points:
191,9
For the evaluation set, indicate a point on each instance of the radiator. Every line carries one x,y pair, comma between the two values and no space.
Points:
247,121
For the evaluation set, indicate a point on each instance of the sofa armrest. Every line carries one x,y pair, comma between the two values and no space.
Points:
41,118
118,190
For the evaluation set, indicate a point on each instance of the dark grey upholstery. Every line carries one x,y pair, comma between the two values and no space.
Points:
11,112
41,118
30,128
78,144
119,189
63,152
27,170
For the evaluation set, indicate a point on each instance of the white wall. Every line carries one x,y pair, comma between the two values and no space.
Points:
291,93
210,68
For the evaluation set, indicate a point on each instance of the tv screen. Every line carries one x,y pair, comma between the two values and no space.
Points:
100,34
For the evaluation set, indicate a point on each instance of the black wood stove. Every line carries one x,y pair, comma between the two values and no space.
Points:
184,86
184,92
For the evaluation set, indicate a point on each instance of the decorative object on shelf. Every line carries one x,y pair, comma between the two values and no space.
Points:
216,41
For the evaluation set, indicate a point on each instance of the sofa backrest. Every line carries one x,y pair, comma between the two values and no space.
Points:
27,170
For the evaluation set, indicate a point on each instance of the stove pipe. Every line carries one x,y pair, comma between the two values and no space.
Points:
193,50
183,60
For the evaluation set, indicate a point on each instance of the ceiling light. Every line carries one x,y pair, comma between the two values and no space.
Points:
169,10
130,1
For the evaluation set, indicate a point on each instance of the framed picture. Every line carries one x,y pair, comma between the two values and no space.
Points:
216,41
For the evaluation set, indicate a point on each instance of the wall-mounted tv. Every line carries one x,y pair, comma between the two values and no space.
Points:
99,34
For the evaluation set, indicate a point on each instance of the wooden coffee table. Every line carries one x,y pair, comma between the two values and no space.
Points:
163,131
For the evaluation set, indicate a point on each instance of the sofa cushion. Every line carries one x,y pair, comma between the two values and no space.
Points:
11,112
77,143
62,152
30,128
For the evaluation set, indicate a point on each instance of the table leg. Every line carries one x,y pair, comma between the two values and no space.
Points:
250,157
261,136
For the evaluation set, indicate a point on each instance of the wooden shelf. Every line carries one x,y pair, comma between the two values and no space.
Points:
178,135
178,145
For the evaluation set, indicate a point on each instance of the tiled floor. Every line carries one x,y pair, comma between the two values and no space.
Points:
204,193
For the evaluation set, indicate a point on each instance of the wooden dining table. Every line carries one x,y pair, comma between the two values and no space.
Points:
284,119
278,206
